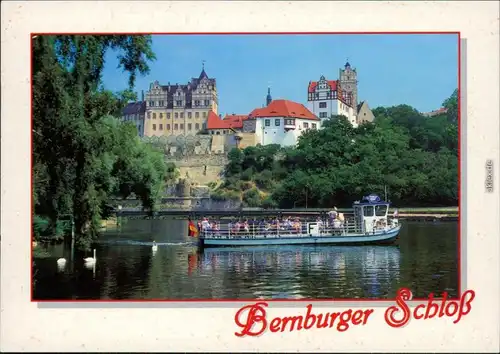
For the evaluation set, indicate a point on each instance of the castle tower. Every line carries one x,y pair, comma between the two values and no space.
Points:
269,99
349,83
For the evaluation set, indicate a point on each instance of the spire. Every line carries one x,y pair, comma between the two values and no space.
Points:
203,73
269,99
347,65
142,95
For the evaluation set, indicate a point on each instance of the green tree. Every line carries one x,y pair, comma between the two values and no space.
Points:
82,155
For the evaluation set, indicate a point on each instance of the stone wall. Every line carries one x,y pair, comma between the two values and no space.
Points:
200,158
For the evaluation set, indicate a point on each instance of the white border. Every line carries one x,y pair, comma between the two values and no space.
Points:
27,327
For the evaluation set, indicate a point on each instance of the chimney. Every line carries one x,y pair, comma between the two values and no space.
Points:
142,95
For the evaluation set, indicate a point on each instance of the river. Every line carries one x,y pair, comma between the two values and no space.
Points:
424,260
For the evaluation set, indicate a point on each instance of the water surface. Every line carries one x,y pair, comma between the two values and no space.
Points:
424,260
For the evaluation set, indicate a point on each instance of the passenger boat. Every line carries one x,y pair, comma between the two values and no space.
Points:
369,224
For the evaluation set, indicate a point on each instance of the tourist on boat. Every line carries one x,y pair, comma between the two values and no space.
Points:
395,214
215,228
332,215
205,224
246,227
237,227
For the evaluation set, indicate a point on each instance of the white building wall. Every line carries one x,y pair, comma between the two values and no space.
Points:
276,134
332,107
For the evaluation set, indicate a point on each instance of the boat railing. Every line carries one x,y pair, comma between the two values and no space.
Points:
319,229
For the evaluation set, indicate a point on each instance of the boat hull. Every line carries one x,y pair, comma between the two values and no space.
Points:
381,237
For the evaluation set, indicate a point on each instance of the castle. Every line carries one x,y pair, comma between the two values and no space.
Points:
174,109
177,111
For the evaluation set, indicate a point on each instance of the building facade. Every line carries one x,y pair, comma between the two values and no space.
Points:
326,98
365,114
135,112
281,122
230,124
180,109
338,97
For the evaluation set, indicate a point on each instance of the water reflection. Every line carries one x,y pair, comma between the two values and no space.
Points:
128,267
281,272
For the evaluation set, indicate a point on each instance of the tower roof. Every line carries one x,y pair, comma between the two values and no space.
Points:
203,74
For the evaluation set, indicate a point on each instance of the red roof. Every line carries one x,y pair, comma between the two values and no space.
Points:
283,108
313,84
230,121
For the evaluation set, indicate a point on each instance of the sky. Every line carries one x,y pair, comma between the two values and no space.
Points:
418,70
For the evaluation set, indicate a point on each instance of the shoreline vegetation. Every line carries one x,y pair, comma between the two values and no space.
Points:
84,157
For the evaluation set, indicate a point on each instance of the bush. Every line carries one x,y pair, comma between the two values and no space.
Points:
247,174
269,203
41,228
251,198
264,179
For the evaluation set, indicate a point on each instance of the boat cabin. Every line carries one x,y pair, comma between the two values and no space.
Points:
371,213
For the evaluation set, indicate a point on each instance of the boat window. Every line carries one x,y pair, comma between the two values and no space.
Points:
368,211
380,210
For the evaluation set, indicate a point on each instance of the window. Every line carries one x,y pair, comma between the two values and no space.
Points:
182,126
196,102
151,103
149,115
277,122
182,114
197,115
178,103
322,114
218,133
176,115
322,105
161,115
154,126
189,114
197,126
267,122
162,103
168,115
154,115
380,210
176,126
189,126
161,126
168,127
207,102
368,210
204,114
313,125
289,121
306,125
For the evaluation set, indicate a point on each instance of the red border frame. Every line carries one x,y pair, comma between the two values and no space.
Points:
459,270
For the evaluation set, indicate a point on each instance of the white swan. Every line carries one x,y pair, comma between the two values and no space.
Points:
155,247
90,260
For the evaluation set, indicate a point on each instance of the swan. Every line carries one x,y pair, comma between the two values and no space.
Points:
61,261
155,247
90,260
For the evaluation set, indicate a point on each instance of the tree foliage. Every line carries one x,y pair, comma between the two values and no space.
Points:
412,157
82,154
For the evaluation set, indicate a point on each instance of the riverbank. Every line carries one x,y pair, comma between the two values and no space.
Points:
412,214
